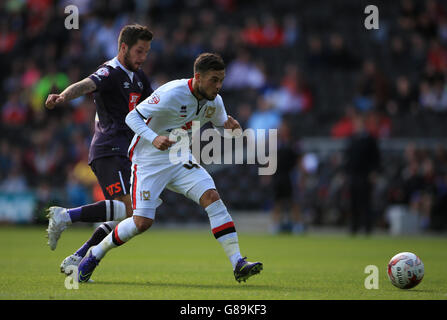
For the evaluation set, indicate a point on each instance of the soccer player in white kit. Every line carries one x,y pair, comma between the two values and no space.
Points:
173,106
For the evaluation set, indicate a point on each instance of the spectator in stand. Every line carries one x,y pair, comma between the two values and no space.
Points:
8,37
425,206
408,15
419,178
426,26
242,73
417,52
435,11
31,74
442,30
106,37
433,97
338,55
316,57
372,91
293,96
437,56
44,159
77,193
264,117
15,181
266,35
399,58
377,124
6,162
345,126
14,112
291,30
244,111
272,34
251,34
404,99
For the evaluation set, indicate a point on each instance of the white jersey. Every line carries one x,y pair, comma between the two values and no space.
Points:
172,106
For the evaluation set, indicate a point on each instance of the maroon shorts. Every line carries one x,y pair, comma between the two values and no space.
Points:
113,174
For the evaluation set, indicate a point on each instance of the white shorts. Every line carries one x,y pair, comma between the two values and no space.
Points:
149,180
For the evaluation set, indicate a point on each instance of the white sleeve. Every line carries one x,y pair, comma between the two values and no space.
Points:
220,116
152,106
139,126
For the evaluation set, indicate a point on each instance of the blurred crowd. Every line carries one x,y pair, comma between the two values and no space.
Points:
282,67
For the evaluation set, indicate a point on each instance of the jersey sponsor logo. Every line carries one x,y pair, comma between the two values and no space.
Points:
103,72
114,188
154,99
133,100
126,85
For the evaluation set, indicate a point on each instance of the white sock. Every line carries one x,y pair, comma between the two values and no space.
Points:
119,210
111,225
224,231
122,233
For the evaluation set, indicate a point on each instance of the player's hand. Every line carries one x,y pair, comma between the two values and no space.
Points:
54,99
162,143
232,124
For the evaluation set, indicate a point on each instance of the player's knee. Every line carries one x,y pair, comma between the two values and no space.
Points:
209,197
142,223
129,210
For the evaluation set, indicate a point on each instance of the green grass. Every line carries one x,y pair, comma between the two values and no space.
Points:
170,264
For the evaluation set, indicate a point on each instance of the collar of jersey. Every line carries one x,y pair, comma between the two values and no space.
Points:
115,63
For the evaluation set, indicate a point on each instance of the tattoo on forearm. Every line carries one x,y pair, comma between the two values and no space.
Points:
79,88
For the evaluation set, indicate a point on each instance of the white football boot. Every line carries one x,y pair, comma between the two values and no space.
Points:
69,264
58,221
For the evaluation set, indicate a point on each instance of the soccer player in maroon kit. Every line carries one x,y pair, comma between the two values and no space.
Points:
117,86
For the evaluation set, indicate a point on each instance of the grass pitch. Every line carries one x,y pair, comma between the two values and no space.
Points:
178,265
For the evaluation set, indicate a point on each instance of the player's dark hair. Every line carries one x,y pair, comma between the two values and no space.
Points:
208,61
130,34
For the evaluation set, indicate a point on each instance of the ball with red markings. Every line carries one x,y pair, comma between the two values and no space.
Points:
405,270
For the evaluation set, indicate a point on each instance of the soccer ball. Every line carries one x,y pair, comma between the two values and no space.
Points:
405,270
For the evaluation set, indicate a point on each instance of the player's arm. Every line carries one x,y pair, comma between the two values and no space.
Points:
136,121
223,121
71,92
232,124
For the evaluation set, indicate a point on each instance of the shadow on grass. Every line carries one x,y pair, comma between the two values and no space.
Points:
243,286
422,291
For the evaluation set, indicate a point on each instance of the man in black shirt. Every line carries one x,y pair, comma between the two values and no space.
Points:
117,86
283,186
362,163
